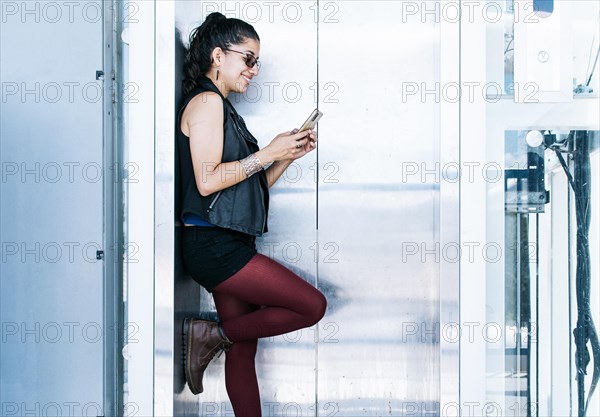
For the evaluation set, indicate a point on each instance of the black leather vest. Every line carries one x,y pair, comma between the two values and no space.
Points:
243,207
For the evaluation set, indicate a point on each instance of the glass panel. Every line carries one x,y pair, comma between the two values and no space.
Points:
524,384
531,295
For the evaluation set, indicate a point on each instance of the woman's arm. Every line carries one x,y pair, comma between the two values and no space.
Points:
205,125
277,169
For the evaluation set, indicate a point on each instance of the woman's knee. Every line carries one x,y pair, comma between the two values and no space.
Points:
318,307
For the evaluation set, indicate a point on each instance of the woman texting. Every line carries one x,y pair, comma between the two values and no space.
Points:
225,180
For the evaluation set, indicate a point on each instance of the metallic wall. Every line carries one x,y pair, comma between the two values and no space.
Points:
373,213
346,218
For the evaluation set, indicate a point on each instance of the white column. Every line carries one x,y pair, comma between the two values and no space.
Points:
164,181
139,261
472,215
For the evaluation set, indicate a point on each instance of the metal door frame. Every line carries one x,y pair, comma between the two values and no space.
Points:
113,220
450,216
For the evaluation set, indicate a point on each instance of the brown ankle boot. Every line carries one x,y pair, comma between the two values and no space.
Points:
202,340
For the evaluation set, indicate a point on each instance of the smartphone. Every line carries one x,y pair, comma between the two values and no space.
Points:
312,120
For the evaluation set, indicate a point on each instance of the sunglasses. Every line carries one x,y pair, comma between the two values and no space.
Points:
250,60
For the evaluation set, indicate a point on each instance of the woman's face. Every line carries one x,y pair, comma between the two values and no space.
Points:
235,73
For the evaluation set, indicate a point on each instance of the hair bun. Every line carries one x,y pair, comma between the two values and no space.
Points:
215,17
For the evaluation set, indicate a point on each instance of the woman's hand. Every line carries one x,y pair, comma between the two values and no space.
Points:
307,143
310,145
288,146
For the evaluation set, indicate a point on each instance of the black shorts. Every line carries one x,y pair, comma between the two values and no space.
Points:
213,254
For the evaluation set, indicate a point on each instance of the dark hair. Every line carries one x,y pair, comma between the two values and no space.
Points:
216,31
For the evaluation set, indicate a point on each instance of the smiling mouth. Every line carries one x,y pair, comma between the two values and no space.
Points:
246,78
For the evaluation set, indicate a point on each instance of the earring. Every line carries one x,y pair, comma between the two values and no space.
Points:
217,74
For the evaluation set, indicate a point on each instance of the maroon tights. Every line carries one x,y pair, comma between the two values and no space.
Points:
263,299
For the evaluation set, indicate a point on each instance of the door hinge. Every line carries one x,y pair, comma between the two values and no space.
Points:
113,86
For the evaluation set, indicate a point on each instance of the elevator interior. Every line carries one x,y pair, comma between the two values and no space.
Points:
449,287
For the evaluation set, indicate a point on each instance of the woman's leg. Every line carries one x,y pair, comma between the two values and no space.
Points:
289,303
240,373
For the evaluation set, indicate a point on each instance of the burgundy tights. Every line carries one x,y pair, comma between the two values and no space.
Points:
263,299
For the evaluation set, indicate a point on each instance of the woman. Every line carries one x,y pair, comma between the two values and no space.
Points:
224,205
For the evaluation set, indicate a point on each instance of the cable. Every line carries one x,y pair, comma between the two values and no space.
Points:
508,46
585,330
591,51
594,68
585,323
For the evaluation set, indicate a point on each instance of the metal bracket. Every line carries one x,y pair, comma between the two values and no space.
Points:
524,189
